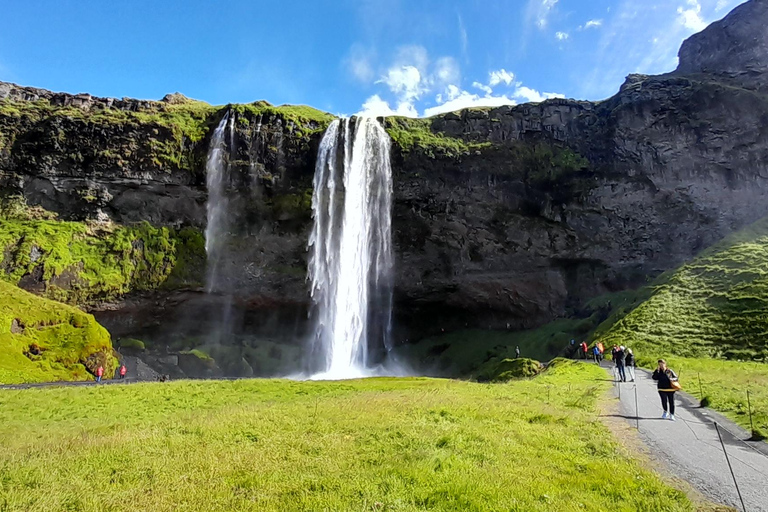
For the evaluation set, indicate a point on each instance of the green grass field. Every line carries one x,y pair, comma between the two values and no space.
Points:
377,444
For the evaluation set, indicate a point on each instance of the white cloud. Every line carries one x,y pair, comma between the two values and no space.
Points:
534,96
561,36
540,10
486,89
404,81
593,24
721,5
446,71
360,64
502,75
691,17
375,106
466,99
463,38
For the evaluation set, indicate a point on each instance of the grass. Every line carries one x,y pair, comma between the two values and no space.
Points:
714,306
41,340
724,386
416,135
80,263
376,444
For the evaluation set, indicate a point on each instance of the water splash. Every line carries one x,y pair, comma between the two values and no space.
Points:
350,267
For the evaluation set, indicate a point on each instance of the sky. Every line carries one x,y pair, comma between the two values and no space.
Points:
410,57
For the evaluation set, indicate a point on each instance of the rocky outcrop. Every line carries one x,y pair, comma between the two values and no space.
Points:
735,47
503,218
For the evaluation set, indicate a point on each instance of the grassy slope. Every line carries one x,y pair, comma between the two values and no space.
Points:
377,444
66,335
714,306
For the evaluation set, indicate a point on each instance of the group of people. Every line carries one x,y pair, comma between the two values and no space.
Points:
624,367
100,372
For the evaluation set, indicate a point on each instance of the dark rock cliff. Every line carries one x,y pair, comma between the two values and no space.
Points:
503,218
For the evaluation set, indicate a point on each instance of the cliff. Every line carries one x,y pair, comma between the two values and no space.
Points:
503,218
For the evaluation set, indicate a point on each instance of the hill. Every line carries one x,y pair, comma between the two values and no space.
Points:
42,340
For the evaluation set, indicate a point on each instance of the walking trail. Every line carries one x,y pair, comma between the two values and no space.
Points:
691,449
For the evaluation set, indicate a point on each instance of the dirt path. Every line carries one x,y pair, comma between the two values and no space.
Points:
689,448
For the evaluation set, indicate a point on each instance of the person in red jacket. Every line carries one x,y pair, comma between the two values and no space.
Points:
99,373
122,371
584,349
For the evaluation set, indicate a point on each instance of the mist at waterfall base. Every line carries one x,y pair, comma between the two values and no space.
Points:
350,266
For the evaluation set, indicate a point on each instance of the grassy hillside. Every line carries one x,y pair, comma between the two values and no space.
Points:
375,445
41,340
714,306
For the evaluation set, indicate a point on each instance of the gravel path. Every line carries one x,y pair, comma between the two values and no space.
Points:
691,449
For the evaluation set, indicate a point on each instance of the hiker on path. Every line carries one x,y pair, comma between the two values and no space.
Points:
517,352
99,373
123,370
602,348
596,354
618,358
666,381
629,362
583,347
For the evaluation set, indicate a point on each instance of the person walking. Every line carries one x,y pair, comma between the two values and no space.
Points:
618,358
584,350
629,362
123,371
99,373
596,354
517,351
666,382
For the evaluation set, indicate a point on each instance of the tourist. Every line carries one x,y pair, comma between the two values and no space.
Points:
517,351
666,382
618,359
629,362
596,354
602,348
123,370
99,373
584,352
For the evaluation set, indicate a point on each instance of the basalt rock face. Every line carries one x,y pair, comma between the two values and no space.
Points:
503,218
734,48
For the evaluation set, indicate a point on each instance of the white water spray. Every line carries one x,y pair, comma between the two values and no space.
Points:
350,266
216,207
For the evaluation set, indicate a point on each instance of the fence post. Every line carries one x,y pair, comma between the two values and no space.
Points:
637,409
749,408
701,391
738,491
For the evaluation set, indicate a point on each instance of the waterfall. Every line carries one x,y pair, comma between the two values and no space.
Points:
216,207
350,266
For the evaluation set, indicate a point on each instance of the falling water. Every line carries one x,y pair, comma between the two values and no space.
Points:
216,207
351,254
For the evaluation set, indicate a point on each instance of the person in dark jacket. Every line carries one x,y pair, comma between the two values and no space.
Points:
629,362
664,378
618,358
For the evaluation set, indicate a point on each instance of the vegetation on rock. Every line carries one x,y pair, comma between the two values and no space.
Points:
42,340
411,444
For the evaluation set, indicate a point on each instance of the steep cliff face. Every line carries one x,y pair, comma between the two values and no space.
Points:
503,218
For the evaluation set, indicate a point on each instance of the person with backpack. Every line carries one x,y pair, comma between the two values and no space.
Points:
596,354
618,359
629,363
666,382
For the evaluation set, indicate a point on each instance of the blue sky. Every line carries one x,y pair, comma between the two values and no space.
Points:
413,57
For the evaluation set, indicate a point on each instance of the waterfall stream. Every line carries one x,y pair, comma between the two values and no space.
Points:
350,266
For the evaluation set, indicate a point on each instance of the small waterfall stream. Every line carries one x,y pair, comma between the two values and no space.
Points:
216,206
350,266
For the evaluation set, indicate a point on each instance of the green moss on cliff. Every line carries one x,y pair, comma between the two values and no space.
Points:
41,340
417,136
714,306
79,263
299,115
